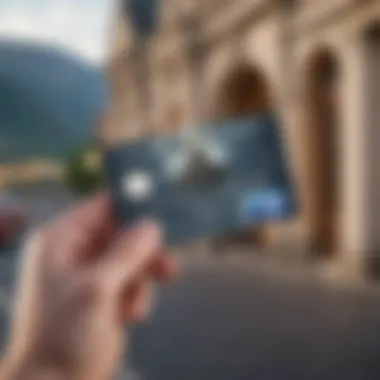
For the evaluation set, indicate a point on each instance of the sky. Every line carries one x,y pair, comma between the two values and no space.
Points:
81,26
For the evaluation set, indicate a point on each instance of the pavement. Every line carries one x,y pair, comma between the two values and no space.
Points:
229,318
230,322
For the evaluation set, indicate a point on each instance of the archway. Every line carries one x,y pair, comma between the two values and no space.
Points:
322,153
243,92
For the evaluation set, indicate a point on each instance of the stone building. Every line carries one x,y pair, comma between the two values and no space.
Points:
313,62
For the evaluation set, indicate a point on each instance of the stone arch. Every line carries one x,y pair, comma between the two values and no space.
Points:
320,101
242,90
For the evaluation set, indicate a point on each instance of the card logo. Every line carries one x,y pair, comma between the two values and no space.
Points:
267,204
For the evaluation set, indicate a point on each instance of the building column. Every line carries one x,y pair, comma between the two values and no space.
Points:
288,238
360,227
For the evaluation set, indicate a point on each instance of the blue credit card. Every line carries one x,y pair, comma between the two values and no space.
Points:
206,182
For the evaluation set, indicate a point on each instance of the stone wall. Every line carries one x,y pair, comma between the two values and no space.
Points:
279,40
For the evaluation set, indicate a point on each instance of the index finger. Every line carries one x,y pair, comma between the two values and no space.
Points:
86,230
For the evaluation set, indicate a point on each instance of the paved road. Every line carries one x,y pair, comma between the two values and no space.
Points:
223,322
219,323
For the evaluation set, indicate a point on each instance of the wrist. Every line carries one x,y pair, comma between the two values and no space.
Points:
30,368
37,372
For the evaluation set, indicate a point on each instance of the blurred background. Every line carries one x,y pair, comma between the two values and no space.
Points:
313,64
52,95
77,77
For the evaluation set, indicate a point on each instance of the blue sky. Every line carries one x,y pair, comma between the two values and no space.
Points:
82,26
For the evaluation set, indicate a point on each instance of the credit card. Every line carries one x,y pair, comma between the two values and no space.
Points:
204,182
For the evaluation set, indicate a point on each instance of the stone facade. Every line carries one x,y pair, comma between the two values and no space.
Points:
314,62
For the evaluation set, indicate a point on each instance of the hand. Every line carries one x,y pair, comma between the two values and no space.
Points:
81,282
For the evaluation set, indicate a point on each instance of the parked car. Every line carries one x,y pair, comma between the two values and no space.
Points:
14,219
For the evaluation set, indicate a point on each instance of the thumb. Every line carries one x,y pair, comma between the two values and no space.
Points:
130,254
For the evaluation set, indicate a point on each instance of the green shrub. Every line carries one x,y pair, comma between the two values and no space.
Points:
83,172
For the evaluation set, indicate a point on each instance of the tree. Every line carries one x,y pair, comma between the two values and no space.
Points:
83,173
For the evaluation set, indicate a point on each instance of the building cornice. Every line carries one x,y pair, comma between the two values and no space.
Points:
231,18
311,19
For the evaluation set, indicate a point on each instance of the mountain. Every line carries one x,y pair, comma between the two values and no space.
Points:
49,101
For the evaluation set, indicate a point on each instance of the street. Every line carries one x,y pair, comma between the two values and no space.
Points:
218,323
238,322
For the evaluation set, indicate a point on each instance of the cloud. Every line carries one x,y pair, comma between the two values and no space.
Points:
78,25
